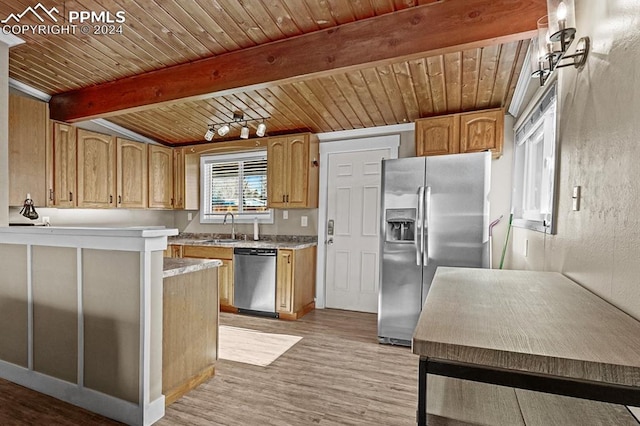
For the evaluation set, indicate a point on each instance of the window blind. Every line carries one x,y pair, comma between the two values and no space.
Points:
235,183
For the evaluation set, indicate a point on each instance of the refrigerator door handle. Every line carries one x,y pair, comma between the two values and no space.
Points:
419,231
425,227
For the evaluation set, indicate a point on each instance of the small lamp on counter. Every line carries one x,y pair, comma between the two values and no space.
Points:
28,210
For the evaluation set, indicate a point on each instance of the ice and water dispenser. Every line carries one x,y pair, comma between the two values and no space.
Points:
401,225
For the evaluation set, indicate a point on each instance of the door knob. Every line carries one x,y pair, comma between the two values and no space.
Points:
330,240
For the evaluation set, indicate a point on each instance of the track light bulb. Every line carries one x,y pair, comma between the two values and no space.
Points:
210,134
261,130
223,130
244,132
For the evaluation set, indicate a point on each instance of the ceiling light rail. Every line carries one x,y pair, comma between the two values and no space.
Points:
223,128
556,32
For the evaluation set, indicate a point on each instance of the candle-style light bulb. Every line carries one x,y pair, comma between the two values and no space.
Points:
561,13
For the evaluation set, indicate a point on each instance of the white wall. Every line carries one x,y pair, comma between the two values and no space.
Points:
4,136
598,246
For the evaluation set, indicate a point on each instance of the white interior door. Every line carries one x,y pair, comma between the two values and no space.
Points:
353,204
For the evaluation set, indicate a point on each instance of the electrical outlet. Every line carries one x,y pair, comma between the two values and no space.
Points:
45,220
189,216
285,214
525,249
303,221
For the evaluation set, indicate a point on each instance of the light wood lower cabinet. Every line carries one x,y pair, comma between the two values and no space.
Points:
225,271
189,331
295,278
296,282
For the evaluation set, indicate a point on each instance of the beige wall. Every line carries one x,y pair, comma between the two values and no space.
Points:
280,226
500,193
598,246
4,135
98,217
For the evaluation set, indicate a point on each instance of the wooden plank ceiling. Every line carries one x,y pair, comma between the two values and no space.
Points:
159,34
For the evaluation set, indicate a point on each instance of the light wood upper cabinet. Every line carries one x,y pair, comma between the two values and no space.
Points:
178,179
62,176
28,123
292,171
437,136
160,177
459,133
131,174
482,130
96,170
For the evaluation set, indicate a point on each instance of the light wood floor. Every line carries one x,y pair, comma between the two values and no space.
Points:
336,375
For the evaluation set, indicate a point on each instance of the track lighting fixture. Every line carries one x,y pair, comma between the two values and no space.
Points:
224,129
244,132
210,133
238,117
261,130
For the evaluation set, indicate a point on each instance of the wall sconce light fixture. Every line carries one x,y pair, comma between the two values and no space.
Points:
556,32
238,117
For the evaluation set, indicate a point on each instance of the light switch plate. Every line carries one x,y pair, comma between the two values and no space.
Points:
189,216
285,214
575,198
303,221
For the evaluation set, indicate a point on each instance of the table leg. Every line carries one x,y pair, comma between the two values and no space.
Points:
422,392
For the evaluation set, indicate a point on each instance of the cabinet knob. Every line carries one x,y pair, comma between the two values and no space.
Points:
70,196
110,199
119,199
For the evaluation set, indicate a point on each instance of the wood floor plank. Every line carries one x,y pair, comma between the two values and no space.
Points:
337,374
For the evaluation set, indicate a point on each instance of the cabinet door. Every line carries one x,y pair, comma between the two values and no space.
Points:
277,172
284,281
178,179
63,153
225,282
131,174
96,170
482,130
298,166
437,136
28,121
160,177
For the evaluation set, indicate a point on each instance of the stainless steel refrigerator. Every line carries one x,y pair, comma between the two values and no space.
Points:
434,213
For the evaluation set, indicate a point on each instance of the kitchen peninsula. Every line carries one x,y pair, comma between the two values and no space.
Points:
189,324
81,310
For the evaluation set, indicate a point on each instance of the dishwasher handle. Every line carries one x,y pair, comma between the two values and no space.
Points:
247,251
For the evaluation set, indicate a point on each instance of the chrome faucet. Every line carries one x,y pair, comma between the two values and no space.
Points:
233,224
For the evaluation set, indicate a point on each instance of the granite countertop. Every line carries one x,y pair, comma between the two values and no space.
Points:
270,241
173,266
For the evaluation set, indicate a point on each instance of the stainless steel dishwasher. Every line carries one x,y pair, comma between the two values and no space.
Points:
254,281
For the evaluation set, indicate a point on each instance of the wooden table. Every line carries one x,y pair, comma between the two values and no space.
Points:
529,330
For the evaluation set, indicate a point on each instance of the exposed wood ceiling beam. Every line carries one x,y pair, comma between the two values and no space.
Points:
431,29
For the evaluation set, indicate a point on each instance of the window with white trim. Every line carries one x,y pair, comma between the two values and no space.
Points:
235,183
534,171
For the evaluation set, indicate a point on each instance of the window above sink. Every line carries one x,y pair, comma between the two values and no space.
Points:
235,183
